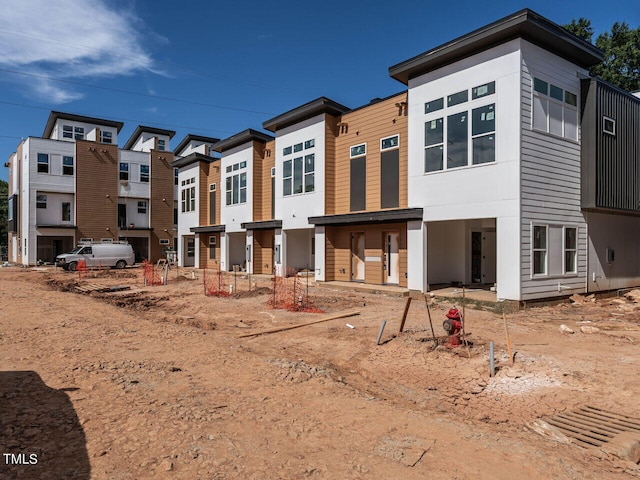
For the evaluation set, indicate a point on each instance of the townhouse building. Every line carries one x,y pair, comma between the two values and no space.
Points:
502,164
74,184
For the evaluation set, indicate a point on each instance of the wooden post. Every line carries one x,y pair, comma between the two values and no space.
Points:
464,321
404,314
435,340
506,332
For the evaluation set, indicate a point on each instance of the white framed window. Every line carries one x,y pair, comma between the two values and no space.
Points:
287,150
555,110
212,187
144,173
309,143
298,175
142,206
609,125
236,188
390,142
539,250
67,131
78,133
106,137
164,241
570,250
41,201
483,134
434,105
175,176
188,196
124,171
67,165
161,145
43,163
273,172
66,211
297,147
358,150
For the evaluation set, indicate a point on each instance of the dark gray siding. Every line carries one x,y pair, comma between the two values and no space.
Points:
610,163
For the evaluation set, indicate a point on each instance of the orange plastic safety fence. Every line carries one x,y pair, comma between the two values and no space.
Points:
214,284
151,274
289,294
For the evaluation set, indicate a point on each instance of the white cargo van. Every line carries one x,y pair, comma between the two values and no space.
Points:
97,255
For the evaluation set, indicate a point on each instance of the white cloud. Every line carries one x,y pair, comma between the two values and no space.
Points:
70,39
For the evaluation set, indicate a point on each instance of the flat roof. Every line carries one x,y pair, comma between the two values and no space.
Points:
380,216
198,138
522,24
140,129
54,116
303,112
208,229
262,225
248,135
193,158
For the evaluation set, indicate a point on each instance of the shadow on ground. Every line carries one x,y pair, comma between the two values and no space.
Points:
40,434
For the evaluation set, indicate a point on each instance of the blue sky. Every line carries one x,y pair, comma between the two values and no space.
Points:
215,68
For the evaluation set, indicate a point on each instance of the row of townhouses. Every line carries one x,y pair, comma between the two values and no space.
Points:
501,162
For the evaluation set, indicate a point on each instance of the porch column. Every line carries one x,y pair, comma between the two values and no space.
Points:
224,251
320,256
278,252
249,253
417,256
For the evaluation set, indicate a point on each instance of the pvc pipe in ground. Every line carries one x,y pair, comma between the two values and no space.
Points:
492,367
384,322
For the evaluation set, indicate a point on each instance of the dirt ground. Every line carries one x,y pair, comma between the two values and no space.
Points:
154,382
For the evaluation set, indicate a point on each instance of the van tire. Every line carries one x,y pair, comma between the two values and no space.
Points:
120,264
73,266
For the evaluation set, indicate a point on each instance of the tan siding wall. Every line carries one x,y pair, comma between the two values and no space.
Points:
203,200
205,261
263,251
338,252
268,162
161,203
97,190
213,176
258,200
369,125
331,130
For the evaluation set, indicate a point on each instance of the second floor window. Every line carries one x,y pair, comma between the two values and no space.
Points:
66,211
298,175
67,165
236,189
43,163
142,206
144,173
124,171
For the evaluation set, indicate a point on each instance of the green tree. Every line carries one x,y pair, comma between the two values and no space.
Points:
621,47
4,213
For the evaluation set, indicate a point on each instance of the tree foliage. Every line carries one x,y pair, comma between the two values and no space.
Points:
621,47
4,212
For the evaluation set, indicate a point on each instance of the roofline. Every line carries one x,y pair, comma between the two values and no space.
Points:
375,101
303,112
183,143
360,218
262,225
143,128
55,115
192,158
248,135
525,24
208,229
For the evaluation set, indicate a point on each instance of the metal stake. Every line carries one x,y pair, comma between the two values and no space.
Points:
492,367
384,323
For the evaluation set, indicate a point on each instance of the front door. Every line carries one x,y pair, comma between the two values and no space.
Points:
357,257
489,257
391,258
189,252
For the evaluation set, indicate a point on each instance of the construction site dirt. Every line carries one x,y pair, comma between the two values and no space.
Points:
102,377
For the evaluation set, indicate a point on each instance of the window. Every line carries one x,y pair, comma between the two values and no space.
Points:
297,147
309,179
457,140
609,126
236,188
555,110
287,179
433,139
175,216
273,172
67,131
287,151
570,250
483,90
539,250
310,144
212,187
188,196
434,105
66,211
390,142
212,247
43,163
175,176
106,137
483,134
358,150
41,201
161,145
124,171
78,133
144,173
142,206
457,98
67,165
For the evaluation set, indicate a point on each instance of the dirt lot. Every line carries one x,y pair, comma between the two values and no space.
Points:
154,382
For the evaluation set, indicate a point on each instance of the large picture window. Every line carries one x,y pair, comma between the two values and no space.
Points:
298,175
555,110
188,195
236,188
